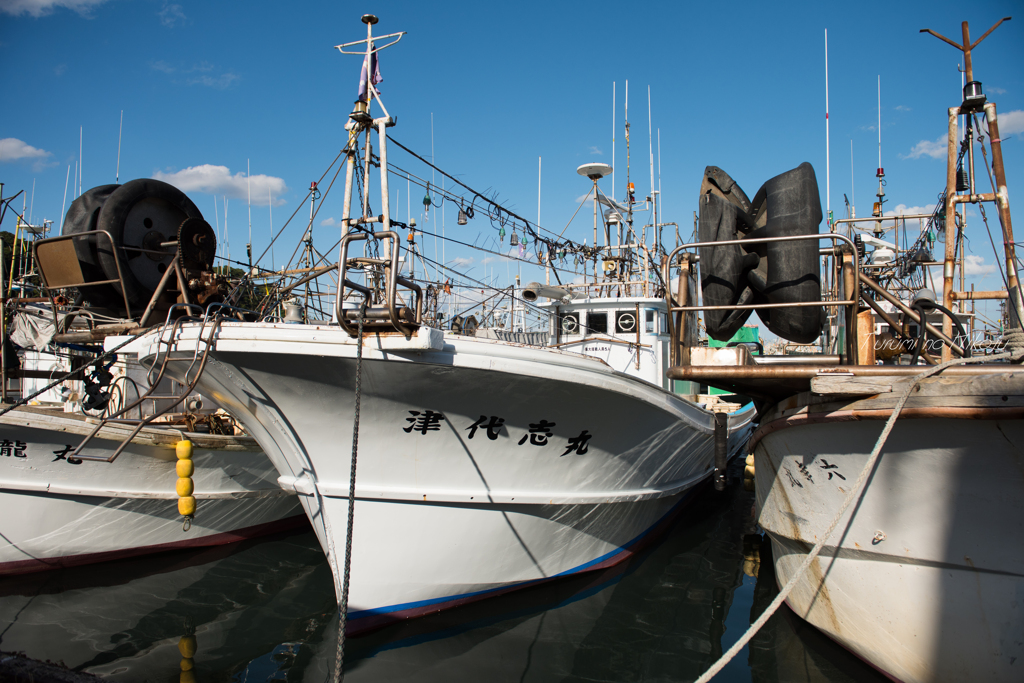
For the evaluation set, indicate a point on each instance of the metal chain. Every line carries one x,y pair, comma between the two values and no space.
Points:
343,606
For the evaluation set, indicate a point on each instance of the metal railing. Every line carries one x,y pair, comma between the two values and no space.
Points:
392,314
851,279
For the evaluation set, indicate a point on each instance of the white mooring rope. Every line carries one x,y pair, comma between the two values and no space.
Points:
854,492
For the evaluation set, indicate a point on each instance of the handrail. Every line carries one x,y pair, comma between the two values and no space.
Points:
851,319
392,279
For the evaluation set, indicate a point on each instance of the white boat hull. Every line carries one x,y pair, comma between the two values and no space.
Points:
59,512
583,464
927,582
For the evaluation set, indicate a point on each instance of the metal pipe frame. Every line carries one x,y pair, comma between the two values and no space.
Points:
851,330
951,345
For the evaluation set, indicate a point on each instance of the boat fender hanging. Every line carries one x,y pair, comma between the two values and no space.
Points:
789,205
723,216
185,487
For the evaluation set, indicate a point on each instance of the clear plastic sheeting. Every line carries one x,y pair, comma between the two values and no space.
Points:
33,328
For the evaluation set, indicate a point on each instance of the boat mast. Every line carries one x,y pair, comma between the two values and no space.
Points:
828,177
974,102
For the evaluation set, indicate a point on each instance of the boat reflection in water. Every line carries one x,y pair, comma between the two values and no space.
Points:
266,611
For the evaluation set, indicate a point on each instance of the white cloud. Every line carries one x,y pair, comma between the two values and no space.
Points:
218,180
171,16
220,82
13,149
461,262
202,74
975,265
904,210
40,8
488,259
60,69
996,91
330,222
595,150
1011,122
934,149
902,108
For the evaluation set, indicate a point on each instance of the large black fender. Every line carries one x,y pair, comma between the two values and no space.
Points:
789,205
81,218
141,214
724,216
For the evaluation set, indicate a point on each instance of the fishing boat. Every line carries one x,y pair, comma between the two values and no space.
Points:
67,511
483,465
919,528
95,463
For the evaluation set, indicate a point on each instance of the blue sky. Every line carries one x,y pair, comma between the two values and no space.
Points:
207,87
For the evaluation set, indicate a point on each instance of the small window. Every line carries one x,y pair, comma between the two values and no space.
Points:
570,323
597,323
625,322
649,322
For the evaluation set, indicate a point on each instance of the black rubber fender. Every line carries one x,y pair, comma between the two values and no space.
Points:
724,216
142,213
81,218
790,205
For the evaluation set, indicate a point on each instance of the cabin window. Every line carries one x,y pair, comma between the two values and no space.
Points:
570,323
649,322
625,322
597,322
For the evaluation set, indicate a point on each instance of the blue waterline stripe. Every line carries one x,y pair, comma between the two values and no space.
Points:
583,567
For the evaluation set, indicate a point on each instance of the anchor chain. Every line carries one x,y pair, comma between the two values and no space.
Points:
343,606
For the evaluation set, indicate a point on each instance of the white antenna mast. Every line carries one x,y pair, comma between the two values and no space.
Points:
828,176
881,171
227,242
248,192
270,205
650,145
65,202
613,141
120,127
880,124
216,218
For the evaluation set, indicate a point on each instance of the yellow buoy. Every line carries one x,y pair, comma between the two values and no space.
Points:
187,646
185,468
187,506
185,486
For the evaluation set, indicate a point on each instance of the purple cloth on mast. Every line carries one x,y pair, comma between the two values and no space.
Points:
375,69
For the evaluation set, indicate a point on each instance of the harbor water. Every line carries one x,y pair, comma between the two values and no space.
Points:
265,610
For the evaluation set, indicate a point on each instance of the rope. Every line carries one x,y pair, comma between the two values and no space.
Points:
854,493
1014,340
343,606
